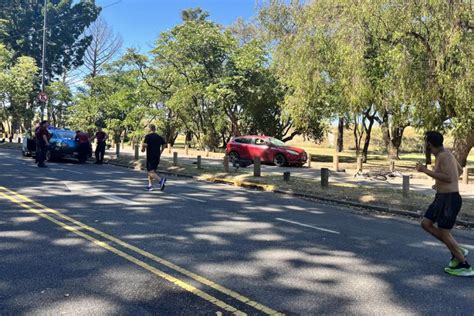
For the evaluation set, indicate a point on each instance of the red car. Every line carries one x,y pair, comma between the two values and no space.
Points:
268,149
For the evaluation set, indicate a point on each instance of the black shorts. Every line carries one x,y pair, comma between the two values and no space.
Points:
444,209
152,164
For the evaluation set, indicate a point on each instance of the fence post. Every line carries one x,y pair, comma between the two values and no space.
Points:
137,152
175,159
168,146
324,177
256,167
117,149
465,175
406,186
226,164
207,151
392,165
286,176
186,150
198,162
359,164
335,162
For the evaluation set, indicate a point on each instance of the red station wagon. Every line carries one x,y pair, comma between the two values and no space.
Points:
268,149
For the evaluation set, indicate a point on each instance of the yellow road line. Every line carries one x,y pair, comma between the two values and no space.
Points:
205,281
186,286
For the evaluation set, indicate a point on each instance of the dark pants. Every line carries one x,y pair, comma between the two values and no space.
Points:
83,151
100,152
41,153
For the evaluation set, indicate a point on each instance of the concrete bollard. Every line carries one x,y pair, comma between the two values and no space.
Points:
359,164
392,165
198,163
406,186
117,149
207,151
186,150
335,162
137,152
310,158
226,164
175,159
286,176
465,175
168,146
257,166
324,177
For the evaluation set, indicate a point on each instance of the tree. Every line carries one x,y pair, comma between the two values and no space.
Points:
60,99
18,77
104,46
66,43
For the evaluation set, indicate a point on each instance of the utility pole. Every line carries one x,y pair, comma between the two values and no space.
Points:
43,58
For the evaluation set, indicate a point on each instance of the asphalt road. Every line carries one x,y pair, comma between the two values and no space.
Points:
87,239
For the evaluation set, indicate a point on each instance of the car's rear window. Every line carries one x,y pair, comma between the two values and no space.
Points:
243,140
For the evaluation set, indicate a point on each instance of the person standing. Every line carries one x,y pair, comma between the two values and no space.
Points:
154,145
42,142
84,146
101,138
447,203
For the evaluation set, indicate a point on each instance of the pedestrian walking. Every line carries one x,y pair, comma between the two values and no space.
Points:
154,145
447,203
42,142
101,138
83,146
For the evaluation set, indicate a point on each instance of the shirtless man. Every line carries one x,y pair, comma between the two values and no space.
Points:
447,203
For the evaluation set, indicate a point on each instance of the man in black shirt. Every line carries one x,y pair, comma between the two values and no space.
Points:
154,145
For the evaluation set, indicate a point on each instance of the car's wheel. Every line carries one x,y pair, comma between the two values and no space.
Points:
49,155
279,160
233,155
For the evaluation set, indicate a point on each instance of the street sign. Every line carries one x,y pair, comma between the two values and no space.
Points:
43,97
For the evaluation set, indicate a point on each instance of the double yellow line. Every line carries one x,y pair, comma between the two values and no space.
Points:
78,228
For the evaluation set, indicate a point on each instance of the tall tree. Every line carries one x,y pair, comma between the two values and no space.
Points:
104,46
67,21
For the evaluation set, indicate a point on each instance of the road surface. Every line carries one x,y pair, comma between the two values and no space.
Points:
87,239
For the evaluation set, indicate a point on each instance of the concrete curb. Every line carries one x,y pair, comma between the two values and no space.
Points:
264,187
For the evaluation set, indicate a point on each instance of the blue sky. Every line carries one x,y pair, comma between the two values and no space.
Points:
139,22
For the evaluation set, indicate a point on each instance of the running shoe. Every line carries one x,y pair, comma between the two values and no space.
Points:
454,261
462,269
149,188
162,183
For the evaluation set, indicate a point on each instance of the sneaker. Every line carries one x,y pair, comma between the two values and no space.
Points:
162,183
149,188
462,269
454,261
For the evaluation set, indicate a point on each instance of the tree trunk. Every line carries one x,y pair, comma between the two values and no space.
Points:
368,135
393,139
462,146
340,135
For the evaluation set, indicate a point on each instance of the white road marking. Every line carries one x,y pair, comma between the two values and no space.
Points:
306,225
108,196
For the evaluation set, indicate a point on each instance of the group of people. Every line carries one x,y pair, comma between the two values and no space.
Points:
153,145
442,212
42,137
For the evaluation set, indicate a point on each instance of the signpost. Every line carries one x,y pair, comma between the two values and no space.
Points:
43,97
